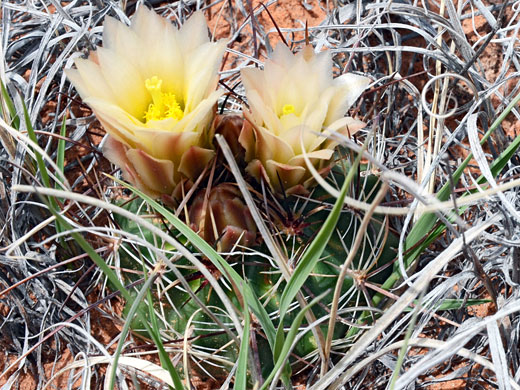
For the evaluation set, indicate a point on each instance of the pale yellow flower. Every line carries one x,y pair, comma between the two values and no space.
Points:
153,88
293,99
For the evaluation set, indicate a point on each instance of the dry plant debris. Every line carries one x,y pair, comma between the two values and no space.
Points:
441,135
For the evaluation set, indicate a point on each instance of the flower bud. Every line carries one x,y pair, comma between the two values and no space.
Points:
222,218
230,127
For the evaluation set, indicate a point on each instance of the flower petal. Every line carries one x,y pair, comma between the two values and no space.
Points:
295,135
148,25
314,114
116,121
199,119
125,81
194,161
194,32
92,81
247,137
290,76
320,63
348,88
346,126
253,79
314,157
263,114
166,61
201,67
115,152
166,145
260,143
162,54
156,175
257,170
296,88
269,146
282,56
284,176
122,40
75,78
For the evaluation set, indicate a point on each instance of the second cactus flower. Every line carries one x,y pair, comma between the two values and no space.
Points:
295,99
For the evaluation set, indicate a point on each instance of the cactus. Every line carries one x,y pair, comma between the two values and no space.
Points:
233,224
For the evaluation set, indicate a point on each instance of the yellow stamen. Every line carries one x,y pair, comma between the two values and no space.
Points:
288,109
164,105
173,109
152,114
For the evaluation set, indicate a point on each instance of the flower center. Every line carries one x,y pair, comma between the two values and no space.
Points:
289,118
164,105
287,109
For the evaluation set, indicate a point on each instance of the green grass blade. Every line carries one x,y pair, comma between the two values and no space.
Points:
404,348
94,256
154,332
60,162
60,154
126,328
15,119
42,167
241,375
39,159
313,252
166,361
289,340
502,160
156,337
426,224
454,304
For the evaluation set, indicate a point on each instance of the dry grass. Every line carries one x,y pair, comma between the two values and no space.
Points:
442,73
